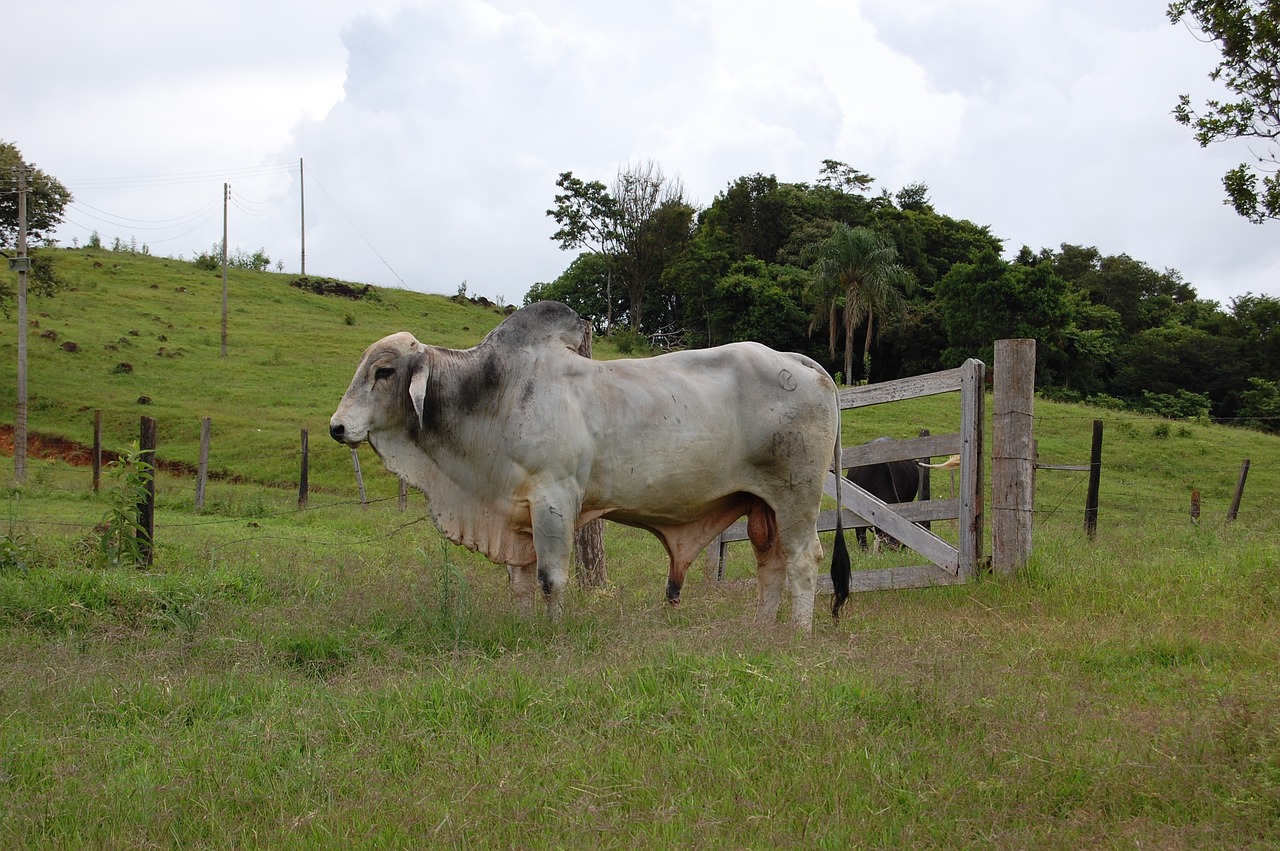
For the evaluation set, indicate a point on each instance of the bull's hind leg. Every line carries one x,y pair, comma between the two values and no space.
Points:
762,531
675,580
787,547
801,554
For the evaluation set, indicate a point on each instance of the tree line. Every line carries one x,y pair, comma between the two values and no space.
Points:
835,270
881,285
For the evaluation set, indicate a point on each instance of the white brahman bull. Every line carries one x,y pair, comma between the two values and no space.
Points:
519,440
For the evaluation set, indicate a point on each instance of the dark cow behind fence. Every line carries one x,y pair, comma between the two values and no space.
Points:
891,482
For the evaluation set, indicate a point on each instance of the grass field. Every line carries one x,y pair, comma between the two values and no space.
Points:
340,677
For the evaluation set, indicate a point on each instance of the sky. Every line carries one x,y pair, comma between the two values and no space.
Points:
421,139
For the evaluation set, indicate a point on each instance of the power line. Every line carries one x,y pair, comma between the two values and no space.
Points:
251,207
154,240
218,176
356,229
142,224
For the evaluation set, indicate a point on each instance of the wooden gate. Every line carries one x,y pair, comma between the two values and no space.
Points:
948,564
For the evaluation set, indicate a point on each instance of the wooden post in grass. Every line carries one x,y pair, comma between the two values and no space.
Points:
355,462
1195,507
302,478
1012,454
925,479
1235,502
97,449
1095,477
588,542
202,472
147,507
404,495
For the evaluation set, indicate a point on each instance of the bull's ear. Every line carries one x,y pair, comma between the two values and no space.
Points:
418,384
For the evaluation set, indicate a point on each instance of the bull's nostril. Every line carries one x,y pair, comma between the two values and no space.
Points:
337,431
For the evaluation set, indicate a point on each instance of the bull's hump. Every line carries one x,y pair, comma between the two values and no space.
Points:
540,324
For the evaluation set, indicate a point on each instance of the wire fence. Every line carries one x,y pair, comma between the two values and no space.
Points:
233,498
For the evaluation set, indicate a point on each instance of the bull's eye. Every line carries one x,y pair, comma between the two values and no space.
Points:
382,373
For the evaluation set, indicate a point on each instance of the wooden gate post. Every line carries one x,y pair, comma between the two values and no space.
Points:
1012,454
147,507
924,489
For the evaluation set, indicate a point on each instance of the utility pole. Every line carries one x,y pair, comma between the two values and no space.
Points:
226,197
302,200
21,264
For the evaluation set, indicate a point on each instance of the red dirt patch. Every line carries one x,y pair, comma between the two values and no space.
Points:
52,448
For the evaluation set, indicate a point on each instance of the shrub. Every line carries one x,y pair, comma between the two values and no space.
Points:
208,261
119,533
1260,405
1181,404
628,341
15,553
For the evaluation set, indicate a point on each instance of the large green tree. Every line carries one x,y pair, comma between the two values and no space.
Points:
637,227
588,218
47,198
856,279
988,299
1247,33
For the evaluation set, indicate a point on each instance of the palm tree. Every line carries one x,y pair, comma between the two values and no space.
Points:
856,278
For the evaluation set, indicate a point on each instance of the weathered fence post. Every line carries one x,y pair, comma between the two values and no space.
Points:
588,542
404,495
925,480
1095,477
971,519
1235,502
202,472
97,449
302,476
147,507
1195,507
1012,454
355,462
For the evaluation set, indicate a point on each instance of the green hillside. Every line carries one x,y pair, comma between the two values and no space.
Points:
143,326
150,327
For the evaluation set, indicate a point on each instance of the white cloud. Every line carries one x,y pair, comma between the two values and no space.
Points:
433,131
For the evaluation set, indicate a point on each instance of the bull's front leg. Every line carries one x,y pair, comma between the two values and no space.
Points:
553,522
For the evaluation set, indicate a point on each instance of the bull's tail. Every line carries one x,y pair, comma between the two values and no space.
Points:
841,570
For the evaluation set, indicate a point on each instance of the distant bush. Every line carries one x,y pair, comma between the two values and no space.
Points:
330,286
1111,403
208,261
1260,405
211,260
1181,404
628,341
